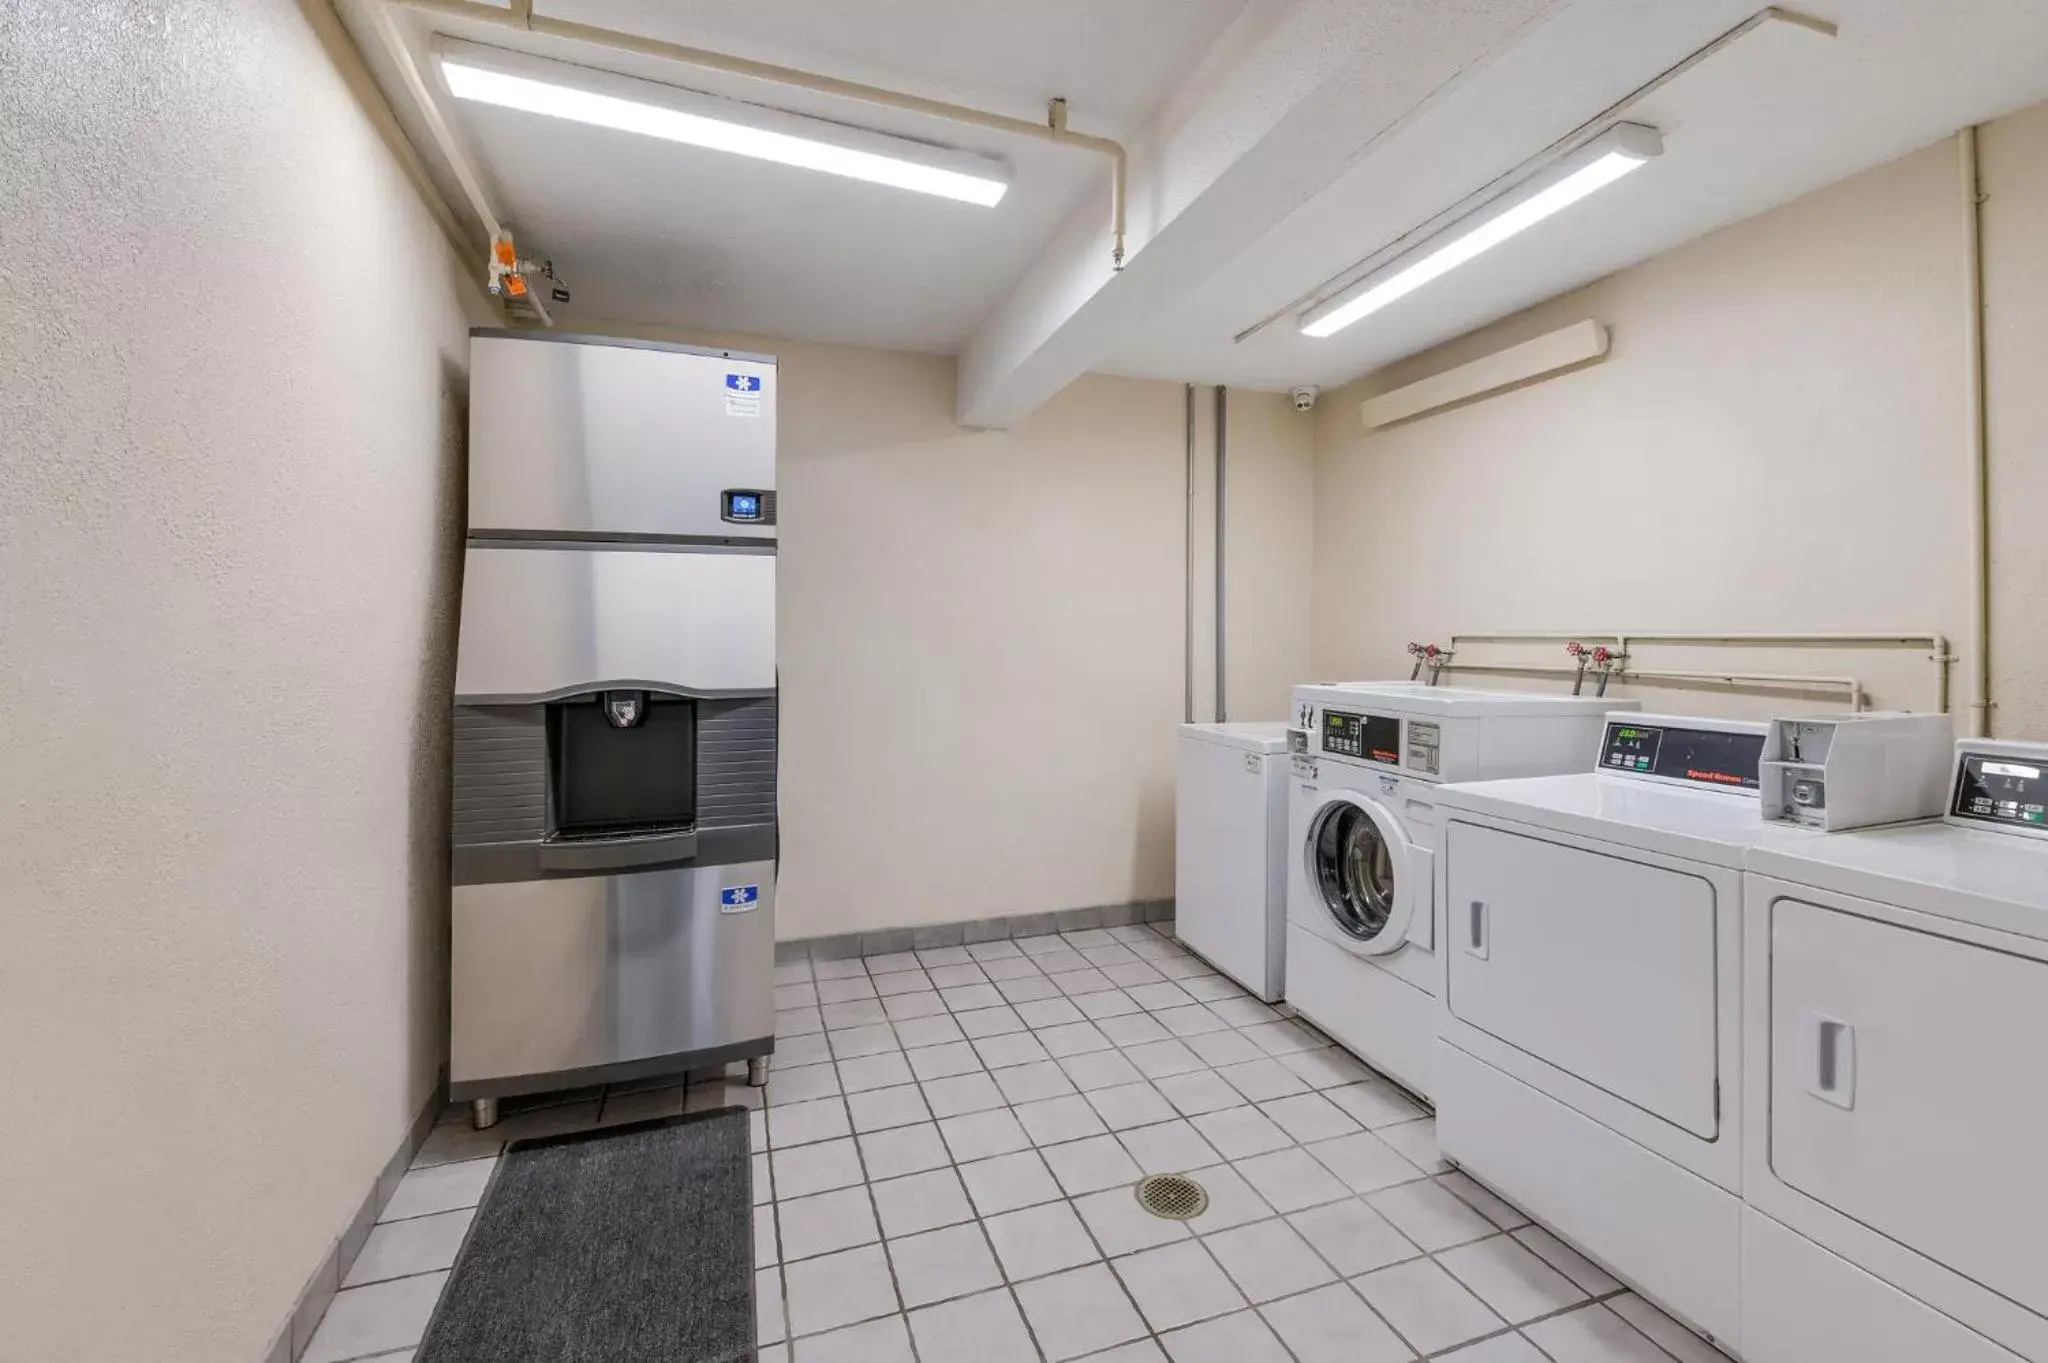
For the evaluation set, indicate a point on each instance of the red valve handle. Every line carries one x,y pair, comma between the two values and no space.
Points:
1601,655
1574,648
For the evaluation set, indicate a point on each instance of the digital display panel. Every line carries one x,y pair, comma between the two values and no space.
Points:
1630,747
1374,738
1709,757
2002,790
742,506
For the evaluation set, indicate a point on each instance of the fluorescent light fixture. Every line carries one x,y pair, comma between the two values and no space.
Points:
535,85
1593,166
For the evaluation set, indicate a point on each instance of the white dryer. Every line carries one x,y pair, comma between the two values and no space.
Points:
1590,1051
1896,1007
1361,822
1230,832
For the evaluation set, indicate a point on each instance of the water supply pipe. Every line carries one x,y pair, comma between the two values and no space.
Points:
1222,581
1978,445
1188,545
1935,645
1851,687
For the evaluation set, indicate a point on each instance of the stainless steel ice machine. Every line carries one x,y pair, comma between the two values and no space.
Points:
614,832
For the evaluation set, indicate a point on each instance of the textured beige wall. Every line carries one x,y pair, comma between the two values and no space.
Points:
1775,443
2014,167
231,353
1269,473
981,632
980,639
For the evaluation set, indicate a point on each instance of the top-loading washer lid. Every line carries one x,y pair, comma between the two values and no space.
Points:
1246,736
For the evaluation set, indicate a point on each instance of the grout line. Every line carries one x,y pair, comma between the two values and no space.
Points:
1150,1081
1199,1237
1223,1160
1010,1285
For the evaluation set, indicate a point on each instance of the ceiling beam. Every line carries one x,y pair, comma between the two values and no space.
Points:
1289,96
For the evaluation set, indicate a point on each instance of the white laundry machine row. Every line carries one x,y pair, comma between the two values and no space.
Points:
1230,834
1896,1104
1361,902
1589,1065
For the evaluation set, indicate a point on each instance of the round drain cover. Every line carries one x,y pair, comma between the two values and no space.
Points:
1173,1196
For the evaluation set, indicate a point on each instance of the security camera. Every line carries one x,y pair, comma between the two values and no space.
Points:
1304,397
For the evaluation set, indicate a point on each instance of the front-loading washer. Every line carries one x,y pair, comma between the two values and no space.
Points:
1361,907
1895,997
1590,1043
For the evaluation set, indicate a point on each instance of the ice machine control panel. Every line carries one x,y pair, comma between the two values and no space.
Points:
2007,791
1718,758
747,506
1371,738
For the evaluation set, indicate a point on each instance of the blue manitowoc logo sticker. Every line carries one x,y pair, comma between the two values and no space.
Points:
738,898
743,395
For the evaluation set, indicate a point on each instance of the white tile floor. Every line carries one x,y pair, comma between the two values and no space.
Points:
943,1172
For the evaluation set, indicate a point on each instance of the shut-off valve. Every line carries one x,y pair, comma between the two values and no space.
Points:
1428,657
1600,660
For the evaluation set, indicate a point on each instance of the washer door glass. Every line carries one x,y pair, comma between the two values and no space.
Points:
1353,869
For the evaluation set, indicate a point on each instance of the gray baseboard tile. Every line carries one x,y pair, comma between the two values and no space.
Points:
1031,924
319,1291
881,943
890,941
985,930
843,946
937,935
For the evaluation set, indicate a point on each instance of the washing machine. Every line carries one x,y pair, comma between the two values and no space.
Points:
1362,822
1230,833
1590,1043
1896,1105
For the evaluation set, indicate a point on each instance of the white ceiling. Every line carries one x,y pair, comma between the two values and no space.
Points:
652,232
1775,114
1114,60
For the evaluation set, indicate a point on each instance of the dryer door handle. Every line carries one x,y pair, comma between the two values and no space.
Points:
1478,929
1832,1045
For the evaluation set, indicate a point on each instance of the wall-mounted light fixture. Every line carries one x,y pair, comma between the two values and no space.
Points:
1589,167
604,99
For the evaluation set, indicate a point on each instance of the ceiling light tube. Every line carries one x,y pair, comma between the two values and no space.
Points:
1596,164
536,85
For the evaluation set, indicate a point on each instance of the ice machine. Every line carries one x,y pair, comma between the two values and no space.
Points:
614,829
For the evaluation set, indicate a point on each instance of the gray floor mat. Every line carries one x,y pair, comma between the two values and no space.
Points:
619,1245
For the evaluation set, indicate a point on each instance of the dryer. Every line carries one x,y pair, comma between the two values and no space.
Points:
1590,1051
1896,999
1361,907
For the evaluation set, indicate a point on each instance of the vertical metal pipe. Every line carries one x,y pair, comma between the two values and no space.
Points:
1188,543
1222,446
1980,720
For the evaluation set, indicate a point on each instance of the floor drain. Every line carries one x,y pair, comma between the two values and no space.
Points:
1173,1196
